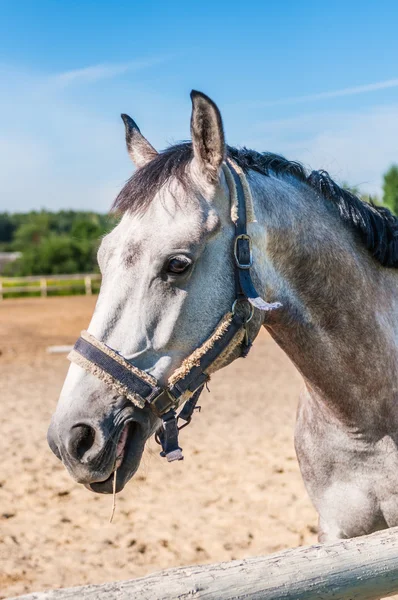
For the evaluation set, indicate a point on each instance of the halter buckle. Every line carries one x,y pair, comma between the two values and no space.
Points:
251,307
163,402
243,253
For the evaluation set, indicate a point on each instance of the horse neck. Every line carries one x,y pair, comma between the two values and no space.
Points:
338,324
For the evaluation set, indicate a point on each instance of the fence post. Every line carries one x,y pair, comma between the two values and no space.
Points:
43,287
87,283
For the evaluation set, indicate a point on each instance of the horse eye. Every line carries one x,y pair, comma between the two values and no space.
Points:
178,265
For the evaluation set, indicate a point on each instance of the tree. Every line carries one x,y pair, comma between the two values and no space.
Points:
32,231
87,227
390,189
53,243
7,228
56,254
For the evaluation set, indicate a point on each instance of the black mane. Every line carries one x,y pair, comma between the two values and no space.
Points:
376,226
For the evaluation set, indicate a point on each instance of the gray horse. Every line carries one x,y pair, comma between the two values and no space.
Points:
167,272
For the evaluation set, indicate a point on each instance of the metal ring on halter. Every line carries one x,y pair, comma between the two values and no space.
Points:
233,309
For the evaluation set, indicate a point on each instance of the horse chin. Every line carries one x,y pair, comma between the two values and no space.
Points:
128,464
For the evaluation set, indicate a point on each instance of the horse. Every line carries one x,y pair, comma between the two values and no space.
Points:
323,259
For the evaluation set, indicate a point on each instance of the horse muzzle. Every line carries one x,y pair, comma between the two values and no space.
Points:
93,449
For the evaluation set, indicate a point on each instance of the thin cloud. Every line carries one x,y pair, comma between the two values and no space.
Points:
105,71
354,146
351,91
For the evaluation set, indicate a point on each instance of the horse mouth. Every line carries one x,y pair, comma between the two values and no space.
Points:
129,449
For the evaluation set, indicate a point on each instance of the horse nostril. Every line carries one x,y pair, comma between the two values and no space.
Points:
80,440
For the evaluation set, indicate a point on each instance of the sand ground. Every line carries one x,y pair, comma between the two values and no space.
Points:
238,493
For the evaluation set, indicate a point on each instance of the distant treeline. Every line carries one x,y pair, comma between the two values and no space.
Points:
53,242
66,242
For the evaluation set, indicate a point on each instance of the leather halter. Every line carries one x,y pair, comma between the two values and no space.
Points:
187,382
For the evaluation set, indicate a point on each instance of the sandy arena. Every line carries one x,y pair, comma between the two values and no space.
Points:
238,493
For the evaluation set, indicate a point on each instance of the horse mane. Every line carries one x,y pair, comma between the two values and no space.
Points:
376,225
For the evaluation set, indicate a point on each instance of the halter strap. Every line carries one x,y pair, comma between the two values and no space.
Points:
187,382
243,252
142,389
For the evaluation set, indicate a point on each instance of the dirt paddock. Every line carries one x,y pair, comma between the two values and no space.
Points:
238,492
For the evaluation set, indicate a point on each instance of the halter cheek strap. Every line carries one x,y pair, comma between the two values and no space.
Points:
186,383
243,253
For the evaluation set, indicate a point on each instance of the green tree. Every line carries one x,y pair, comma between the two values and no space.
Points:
32,232
390,189
87,227
54,255
7,228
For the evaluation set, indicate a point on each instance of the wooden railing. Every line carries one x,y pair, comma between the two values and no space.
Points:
364,568
43,284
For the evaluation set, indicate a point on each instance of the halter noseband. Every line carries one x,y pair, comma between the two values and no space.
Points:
186,383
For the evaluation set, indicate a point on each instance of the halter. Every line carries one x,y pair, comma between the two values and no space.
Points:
186,382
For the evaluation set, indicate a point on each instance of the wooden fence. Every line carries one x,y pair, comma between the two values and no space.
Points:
43,284
364,568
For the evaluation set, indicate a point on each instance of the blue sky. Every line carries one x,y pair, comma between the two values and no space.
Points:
315,81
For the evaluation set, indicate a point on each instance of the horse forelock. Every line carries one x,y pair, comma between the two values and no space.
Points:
377,226
142,187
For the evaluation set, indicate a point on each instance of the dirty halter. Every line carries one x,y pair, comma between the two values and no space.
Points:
186,383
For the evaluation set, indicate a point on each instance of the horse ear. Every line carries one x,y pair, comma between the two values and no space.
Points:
140,150
207,135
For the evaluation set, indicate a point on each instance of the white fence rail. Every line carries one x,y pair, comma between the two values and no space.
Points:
42,284
364,568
